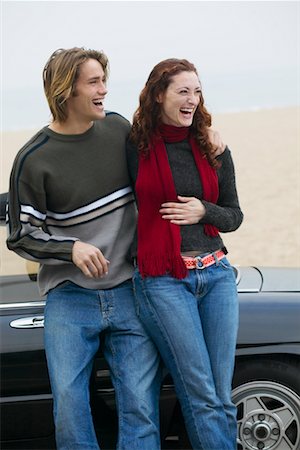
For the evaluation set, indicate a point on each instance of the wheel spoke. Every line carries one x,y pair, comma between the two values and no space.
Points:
252,403
285,415
285,445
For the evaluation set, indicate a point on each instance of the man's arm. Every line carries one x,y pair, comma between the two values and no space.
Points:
27,235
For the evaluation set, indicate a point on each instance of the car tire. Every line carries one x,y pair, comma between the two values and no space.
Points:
266,392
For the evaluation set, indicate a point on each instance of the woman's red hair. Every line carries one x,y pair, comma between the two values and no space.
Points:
148,115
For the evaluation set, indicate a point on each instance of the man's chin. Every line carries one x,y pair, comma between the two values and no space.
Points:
102,114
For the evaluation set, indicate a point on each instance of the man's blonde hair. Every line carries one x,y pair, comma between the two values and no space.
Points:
61,73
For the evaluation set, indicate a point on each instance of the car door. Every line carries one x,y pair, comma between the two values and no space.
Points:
26,401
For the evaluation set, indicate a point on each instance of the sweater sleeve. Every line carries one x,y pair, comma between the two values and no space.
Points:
226,215
27,213
132,161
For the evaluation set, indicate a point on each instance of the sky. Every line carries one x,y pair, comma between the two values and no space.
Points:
247,53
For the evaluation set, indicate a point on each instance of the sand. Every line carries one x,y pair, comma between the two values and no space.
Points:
265,145
266,151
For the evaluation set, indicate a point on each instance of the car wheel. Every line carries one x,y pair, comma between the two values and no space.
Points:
266,394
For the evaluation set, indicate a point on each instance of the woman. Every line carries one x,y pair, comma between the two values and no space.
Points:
185,287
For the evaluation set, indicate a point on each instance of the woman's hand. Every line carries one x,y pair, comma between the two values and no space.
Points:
89,259
187,211
216,141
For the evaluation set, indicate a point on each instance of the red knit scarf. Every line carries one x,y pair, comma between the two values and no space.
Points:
159,240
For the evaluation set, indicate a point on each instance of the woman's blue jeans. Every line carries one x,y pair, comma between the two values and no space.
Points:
74,318
194,324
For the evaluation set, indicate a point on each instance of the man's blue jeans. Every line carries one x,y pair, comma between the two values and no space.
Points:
74,317
194,324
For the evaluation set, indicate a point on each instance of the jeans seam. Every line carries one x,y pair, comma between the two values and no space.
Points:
119,400
160,325
136,303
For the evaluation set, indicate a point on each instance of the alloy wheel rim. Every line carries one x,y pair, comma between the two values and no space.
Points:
268,416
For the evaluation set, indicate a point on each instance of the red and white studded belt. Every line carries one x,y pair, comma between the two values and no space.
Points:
196,262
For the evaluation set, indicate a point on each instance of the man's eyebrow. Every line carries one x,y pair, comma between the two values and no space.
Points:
97,78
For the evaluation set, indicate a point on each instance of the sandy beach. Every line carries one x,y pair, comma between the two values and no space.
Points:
265,145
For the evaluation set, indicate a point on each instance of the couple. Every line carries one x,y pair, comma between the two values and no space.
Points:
72,209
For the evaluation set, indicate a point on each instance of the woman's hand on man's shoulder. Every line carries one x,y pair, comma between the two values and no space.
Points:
216,141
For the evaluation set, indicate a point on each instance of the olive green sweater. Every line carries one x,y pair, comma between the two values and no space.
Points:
69,187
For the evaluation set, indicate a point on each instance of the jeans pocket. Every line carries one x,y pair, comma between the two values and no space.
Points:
225,264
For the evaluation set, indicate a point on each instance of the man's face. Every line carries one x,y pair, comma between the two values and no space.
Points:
86,104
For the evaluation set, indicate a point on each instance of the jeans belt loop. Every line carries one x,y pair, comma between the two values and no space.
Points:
216,258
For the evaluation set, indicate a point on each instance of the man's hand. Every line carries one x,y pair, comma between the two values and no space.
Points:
187,211
216,141
89,260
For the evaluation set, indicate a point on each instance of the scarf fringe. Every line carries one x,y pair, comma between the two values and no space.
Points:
157,265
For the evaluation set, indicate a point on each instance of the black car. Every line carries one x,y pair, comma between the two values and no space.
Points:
266,385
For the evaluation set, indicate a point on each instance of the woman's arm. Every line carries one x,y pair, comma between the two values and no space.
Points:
226,215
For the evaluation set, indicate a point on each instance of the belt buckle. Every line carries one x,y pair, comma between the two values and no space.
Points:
199,260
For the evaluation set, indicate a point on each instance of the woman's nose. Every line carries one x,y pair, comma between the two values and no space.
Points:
194,99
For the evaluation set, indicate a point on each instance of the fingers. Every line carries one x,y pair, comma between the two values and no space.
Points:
180,216
179,204
219,150
216,141
189,210
182,222
95,266
89,260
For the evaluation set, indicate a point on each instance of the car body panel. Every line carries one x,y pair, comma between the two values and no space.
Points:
280,279
275,316
269,324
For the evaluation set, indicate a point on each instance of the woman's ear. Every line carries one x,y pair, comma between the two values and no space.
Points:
159,98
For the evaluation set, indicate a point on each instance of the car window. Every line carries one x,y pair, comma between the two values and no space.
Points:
11,263
17,276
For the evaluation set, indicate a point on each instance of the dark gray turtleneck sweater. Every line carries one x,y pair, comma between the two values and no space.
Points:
225,215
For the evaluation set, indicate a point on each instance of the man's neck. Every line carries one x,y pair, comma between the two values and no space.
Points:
70,127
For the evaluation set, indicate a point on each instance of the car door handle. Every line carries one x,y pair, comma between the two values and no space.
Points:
28,322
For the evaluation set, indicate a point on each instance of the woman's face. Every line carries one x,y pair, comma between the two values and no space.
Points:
180,100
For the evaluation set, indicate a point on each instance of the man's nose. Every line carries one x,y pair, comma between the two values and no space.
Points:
102,89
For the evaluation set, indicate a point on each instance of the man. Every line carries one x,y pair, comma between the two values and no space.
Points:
69,197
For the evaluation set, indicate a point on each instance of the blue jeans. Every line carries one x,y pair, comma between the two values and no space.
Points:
194,324
74,317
